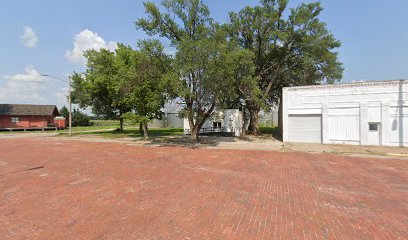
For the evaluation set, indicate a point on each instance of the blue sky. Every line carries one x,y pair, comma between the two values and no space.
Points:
39,36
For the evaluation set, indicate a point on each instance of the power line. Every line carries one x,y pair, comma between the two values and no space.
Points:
69,98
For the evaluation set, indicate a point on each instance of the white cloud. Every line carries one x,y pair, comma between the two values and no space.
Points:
29,38
61,98
30,75
27,87
15,92
86,40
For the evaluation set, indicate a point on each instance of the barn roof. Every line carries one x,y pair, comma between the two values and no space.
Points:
28,110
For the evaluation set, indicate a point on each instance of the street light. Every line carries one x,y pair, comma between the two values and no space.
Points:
69,99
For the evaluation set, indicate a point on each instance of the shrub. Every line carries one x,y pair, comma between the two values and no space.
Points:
80,119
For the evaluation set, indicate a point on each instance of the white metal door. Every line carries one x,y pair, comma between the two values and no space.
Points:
305,128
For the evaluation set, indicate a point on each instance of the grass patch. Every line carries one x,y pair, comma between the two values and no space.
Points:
110,123
269,130
88,128
99,125
134,133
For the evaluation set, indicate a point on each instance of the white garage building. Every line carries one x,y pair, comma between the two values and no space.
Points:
364,113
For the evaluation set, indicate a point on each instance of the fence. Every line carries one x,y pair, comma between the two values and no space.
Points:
213,131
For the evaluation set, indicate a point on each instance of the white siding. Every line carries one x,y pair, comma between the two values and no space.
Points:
348,109
344,129
174,121
344,125
399,126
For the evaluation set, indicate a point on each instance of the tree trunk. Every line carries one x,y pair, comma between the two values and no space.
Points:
254,122
195,136
145,131
254,110
202,116
195,130
121,123
141,128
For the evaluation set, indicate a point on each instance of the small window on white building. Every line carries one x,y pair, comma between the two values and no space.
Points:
15,119
373,127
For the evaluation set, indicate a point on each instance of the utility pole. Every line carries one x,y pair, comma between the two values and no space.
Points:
70,107
69,99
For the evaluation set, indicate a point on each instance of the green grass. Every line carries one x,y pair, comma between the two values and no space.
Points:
99,125
269,130
74,129
106,128
109,123
88,128
134,133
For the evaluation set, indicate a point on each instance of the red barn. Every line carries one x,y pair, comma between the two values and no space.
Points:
25,116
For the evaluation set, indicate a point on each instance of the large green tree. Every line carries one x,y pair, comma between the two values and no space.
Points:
291,47
147,86
64,112
203,60
100,86
126,83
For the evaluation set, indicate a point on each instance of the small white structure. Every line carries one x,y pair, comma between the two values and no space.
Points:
364,113
230,120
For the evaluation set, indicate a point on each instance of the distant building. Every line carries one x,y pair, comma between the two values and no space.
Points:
170,117
25,116
227,121
364,113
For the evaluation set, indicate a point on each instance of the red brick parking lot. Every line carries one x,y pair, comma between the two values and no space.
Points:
56,189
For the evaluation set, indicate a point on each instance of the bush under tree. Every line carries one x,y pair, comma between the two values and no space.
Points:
80,119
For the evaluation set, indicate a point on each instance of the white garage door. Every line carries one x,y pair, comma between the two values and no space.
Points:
305,128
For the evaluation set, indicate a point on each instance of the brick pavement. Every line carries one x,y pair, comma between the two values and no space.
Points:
55,189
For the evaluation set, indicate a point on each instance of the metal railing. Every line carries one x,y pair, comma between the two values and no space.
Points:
212,130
